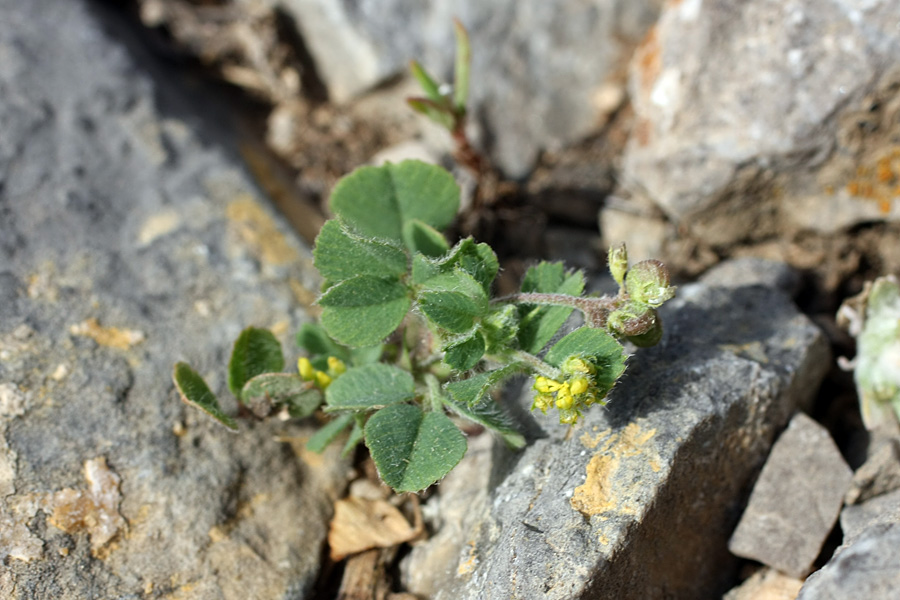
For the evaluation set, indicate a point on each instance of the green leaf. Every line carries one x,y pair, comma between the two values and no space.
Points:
461,68
194,391
436,111
413,449
313,338
538,324
597,345
341,255
364,310
464,354
491,415
270,390
500,327
419,237
428,85
472,390
256,351
356,436
328,433
478,260
369,387
377,201
453,301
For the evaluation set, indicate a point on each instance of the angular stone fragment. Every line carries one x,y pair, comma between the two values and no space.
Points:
766,584
639,500
880,474
794,121
796,500
97,276
880,510
869,568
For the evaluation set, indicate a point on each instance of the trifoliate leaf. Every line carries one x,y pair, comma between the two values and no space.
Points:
256,351
538,324
364,310
419,237
463,354
490,414
194,391
369,387
271,390
377,201
341,255
413,449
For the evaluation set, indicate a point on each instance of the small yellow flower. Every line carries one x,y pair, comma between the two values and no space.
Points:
306,369
579,385
336,366
323,380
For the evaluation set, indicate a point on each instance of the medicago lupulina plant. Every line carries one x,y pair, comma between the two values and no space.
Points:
410,332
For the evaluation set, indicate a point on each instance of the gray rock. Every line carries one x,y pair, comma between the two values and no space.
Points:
740,272
639,500
867,568
790,123
796,501
540,70
128,242
878,475
883,510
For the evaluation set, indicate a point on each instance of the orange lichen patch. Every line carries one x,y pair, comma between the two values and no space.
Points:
878,179
95,510
600,493
471,561
259,232
113,337
648,61
360,524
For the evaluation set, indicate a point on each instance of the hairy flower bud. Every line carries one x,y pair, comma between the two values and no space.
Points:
618,262
632,320
648,283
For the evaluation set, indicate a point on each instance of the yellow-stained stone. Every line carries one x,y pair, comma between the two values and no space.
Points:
258,231
113,337
599,493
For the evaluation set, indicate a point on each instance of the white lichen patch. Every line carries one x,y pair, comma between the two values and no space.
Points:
874,318
158,225
12,400
95,510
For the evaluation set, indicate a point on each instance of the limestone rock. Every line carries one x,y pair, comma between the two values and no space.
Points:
128,242
794,120
639,500
541,72
880,474
883,510
868,568
796,500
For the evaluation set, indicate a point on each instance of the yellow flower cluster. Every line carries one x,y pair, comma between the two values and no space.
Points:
322,379
570,395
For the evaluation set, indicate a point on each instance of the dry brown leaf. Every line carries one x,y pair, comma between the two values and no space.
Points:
360,524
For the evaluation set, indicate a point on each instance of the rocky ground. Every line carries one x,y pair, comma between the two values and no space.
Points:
165,166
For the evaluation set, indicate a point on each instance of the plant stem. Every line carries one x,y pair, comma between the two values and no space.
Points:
595,310
536,364
434,392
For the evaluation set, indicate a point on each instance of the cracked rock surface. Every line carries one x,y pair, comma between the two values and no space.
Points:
130,239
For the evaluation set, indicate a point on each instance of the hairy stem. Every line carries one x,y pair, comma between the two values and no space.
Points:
595,310
536,364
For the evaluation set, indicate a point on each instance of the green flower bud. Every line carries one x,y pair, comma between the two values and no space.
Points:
618,262
632,320
648,283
